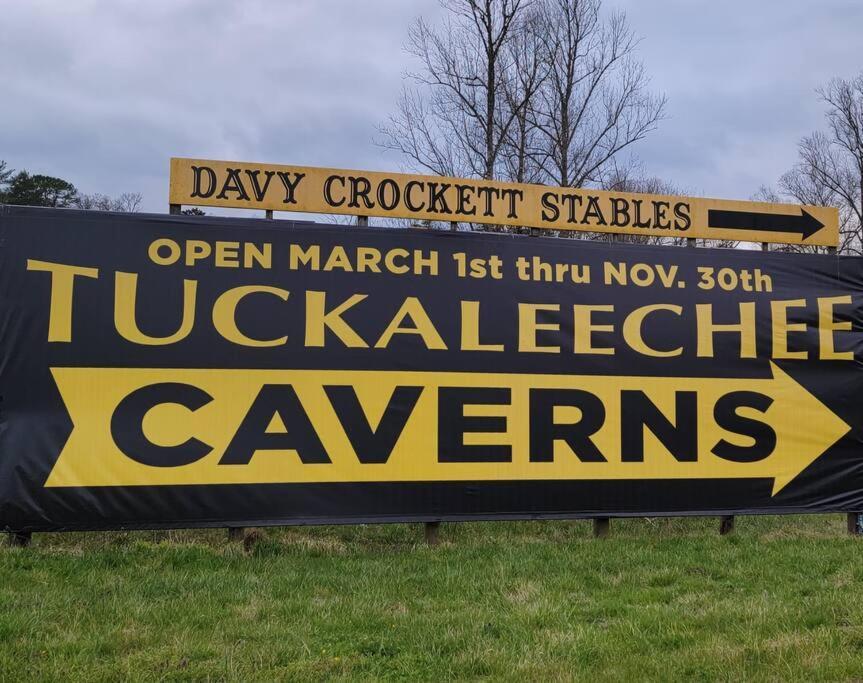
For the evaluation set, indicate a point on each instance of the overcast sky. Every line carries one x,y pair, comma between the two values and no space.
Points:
104,92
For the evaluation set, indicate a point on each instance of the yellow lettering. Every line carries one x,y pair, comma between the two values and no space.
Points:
391,264
528,327
197,250
707,328
310,257
318,320
263,255
584,331
125,296
413,309
62,289
827,325
227,254
632,330
173,252
781,328
225,315
470,329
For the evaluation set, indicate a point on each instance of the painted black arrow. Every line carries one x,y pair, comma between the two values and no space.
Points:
806,224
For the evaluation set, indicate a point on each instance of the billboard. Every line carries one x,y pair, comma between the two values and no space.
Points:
234,184
164,371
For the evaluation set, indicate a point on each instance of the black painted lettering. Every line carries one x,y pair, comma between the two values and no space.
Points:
390,187
638,412
683,216
409,196
437,196
453,425
515,197
464,204
577,435
660,215
572,200
253,435
233,183
257,190
361,188
619,212
593,213
328,190
373,446
727,417
637,220
198,174
550,210
488,194
290,185
128,432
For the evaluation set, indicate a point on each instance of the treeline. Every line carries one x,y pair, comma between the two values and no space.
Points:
34,189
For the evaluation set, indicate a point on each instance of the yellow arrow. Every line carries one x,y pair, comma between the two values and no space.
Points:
804,428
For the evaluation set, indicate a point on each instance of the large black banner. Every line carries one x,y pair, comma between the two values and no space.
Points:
161,371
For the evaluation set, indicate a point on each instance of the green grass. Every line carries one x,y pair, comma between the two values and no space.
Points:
660,600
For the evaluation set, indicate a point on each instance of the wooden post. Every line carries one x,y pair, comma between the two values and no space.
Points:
726,523
236,533
431,533
853,527
363,221
601,527
20,539
175,209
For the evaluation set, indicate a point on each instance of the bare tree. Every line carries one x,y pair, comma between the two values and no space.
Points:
544,91
525,76
829,171
595,102
453,122
6,174
128,202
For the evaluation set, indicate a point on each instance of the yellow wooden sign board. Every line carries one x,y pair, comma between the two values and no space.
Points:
229,184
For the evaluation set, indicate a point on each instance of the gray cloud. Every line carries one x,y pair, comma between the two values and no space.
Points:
103,92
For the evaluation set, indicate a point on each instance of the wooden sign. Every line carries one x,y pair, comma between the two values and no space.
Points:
229,184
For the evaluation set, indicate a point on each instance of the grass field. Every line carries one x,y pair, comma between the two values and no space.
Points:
660,600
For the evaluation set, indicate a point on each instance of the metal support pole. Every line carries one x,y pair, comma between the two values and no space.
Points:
431,533
20,539
601,527
236,533
363,221
852,520
726,523
175,209
268,214
453,226
765,246
831,251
